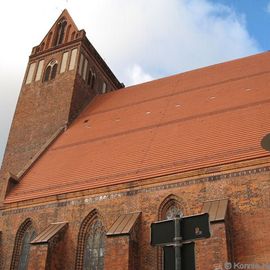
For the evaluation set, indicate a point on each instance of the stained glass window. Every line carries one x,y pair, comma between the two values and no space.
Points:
94,247
28,236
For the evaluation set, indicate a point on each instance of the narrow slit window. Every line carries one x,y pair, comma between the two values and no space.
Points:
60,32
89,79
93,81
85,69
104,87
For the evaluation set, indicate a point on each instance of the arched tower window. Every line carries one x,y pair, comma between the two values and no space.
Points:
91,244
50,71
60,32
25,234
168,209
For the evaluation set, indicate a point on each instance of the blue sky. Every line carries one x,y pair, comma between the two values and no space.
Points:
257,17
140,40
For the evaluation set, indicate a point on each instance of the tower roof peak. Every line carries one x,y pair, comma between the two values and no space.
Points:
64,30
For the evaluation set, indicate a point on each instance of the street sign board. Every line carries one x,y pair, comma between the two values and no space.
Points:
195,227
191,228
162,233
187,257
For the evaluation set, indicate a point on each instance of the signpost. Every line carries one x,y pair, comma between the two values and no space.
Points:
176,236
187,257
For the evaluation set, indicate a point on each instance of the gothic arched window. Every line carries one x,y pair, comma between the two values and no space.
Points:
169,209
60,32
50,71
93,258
25,234
91,244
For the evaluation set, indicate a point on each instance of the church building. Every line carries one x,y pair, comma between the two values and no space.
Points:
90,164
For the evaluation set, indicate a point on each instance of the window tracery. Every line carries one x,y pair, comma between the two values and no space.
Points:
94,247
173,211
50,71
91,244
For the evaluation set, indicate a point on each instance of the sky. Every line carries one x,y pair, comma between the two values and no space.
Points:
140,40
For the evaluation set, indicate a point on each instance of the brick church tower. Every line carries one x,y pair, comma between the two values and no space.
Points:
63,74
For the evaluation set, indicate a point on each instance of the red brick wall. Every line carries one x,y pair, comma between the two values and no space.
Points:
117,253
121,253
212,253
247,188
38,257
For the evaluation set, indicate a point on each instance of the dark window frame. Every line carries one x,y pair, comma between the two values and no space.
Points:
50,71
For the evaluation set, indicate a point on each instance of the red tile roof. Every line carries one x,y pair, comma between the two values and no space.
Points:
210,116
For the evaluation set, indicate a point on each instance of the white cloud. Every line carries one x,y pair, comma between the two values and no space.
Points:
137,75
268,7
139,39
165,37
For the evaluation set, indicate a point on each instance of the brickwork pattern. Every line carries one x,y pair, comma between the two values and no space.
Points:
38,257
248,194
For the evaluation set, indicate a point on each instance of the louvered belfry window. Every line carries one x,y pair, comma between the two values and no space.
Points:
94,247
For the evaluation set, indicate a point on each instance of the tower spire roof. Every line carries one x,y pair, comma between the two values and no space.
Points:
62,31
